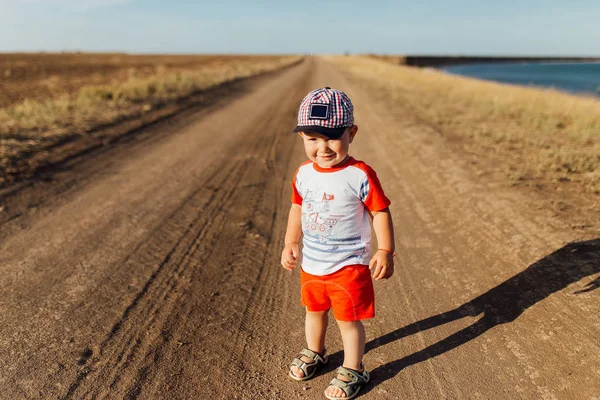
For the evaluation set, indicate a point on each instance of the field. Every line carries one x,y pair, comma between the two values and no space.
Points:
48,99
148,267
42,76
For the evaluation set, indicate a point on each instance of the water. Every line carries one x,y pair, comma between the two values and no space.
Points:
569,77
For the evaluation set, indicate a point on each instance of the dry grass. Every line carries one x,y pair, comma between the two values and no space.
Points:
93,105
26,125
542,133
41,76
394,59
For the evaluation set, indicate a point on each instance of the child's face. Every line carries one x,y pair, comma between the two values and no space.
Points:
328,152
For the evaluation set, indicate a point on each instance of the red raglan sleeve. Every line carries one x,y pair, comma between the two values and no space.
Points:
375,199
296,197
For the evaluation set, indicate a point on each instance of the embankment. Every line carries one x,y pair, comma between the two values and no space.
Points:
444,61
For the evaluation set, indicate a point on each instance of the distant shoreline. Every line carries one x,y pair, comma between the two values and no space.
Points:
445,61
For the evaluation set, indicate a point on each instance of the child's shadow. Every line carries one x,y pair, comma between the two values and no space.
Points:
500,305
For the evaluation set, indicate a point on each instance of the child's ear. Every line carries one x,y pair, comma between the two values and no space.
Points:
300,134
352,132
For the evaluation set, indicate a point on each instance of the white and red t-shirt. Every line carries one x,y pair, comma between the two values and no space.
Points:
335,221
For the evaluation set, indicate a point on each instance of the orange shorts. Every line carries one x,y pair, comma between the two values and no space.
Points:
348,291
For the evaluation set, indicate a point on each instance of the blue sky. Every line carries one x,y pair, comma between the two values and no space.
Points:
484,27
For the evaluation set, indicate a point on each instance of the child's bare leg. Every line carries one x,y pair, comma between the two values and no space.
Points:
353,339
315,329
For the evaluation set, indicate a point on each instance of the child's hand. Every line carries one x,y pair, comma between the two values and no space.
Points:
289,256
382,265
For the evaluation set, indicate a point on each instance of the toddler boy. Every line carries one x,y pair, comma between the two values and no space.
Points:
332,199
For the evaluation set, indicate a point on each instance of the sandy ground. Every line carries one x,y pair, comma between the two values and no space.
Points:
151,269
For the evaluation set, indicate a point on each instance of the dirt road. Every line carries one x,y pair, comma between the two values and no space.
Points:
151,270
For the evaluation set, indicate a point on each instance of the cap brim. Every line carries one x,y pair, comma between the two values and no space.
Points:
332,133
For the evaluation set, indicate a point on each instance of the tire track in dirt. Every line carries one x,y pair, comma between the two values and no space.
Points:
246,267
127,359
270,285
175,259
151,248
117,352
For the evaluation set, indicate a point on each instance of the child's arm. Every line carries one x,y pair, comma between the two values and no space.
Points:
289,255
383,262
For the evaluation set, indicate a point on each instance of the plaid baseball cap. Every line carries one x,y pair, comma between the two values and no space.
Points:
326,111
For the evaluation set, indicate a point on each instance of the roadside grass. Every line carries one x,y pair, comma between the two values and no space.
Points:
539,133
27,126
394,59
